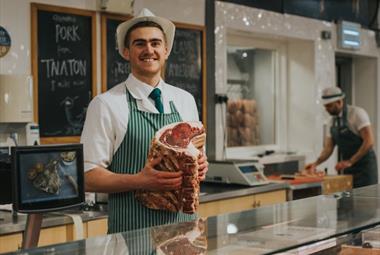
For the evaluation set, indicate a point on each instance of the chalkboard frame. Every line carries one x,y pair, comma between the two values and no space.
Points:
202,30
105,17
35,7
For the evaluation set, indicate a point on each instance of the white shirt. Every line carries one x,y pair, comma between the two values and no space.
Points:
357,119
107,117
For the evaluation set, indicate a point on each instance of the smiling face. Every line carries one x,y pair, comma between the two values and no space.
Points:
147,53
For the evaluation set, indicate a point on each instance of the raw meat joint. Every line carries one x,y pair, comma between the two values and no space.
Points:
183,238
180,145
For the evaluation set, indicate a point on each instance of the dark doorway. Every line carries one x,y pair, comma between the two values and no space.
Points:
343,69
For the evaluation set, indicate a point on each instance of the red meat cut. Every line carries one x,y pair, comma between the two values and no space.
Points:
179,145
185,238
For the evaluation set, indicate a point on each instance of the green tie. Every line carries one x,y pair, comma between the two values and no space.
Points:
156,96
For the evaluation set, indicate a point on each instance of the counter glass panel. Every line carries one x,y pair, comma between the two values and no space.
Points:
290,226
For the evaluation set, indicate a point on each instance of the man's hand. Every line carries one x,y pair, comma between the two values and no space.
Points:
203,167
151,179
311,168
341,165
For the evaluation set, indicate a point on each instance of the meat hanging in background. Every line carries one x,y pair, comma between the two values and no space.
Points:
179,145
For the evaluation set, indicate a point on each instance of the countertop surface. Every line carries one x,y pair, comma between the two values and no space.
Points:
307,225
209,192
214,191
12,224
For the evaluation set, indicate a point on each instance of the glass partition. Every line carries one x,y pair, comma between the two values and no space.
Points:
314,223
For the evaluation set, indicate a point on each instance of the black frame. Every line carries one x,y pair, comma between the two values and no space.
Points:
5,176
50,205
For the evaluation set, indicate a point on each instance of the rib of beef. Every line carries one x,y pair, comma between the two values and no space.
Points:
183,238
179,144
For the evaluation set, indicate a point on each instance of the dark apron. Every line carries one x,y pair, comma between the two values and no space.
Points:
364,171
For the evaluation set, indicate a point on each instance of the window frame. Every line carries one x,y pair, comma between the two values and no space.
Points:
238,38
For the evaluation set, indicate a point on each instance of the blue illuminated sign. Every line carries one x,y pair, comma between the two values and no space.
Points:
349,35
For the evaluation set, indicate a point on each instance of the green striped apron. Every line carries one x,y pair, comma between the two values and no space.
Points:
125,212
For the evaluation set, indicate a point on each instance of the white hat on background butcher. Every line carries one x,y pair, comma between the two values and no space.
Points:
145,15
331,94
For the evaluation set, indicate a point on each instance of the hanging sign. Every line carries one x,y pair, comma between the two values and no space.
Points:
349,35
5,42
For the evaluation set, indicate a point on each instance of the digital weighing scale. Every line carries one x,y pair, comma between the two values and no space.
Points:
237,172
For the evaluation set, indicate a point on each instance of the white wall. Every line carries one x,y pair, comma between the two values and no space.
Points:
365,87
301,84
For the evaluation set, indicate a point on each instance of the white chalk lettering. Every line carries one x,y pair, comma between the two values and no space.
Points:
66,33
183,71
120,69
59,84
62,50
59,18
69,67
78,83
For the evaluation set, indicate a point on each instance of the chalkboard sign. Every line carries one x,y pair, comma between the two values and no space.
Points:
184,68
64,71
115,69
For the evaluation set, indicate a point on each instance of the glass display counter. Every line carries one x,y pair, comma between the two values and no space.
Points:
303,226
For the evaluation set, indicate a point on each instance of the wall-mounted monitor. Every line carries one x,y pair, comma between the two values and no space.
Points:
47,178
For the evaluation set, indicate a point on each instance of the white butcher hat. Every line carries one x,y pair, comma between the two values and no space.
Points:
145,15
331,94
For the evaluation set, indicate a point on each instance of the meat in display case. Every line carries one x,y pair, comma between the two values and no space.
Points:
185,238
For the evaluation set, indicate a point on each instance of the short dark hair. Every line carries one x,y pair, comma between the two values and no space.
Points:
138,25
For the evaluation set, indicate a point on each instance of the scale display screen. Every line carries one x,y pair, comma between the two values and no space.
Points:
248,169
236,172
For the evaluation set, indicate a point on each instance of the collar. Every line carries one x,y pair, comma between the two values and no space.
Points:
340,115
141,90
